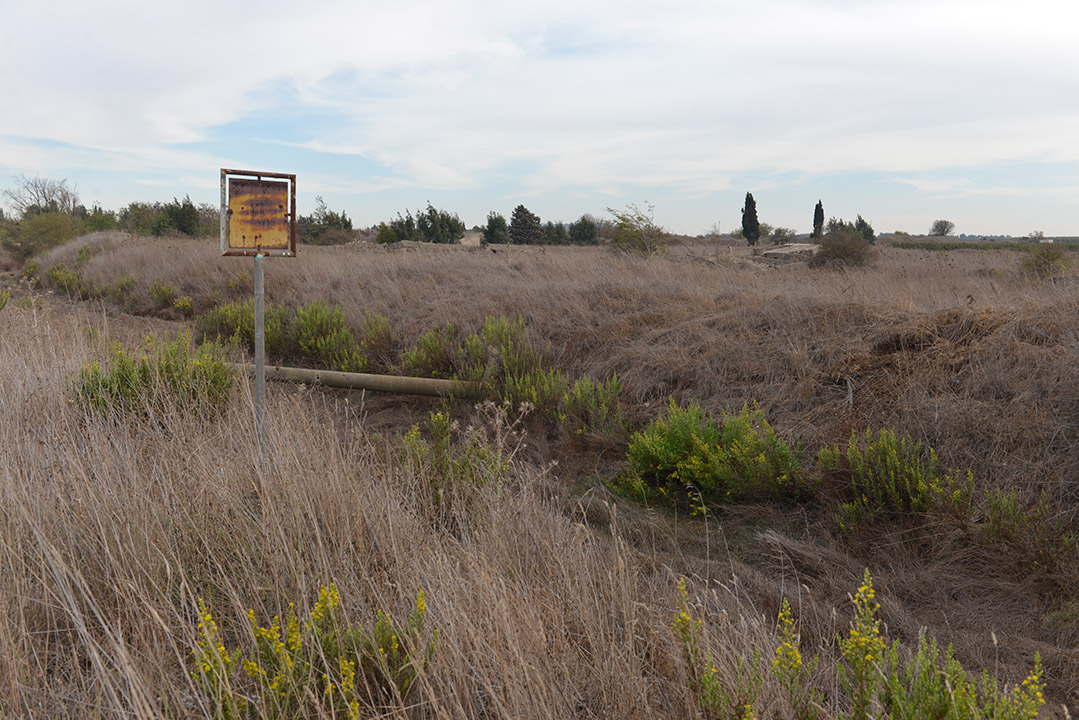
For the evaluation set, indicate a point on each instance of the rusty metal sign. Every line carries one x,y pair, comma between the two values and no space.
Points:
258,213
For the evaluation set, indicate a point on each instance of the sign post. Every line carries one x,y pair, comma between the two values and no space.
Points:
258,219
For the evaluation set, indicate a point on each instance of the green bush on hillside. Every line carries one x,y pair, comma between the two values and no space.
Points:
694,460
321,333
313,332
435,354
235,323
891,475
40,233
158,375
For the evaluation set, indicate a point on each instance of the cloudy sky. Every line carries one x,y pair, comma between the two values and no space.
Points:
903,111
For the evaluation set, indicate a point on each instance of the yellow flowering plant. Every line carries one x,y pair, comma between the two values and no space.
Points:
792,671
184,305
713,699
878,684
862,650
215,669
314,664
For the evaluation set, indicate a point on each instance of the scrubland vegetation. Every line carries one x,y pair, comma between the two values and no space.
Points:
703,485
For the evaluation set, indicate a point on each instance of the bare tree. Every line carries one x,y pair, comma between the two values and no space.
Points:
35,195
941,228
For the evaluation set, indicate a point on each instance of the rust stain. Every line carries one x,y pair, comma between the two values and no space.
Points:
258,214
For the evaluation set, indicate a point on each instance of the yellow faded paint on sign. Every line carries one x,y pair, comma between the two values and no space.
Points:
258,214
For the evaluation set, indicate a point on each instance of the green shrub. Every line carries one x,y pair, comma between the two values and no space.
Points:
83,257
439,226
178,216
843,247
376,340
510,339
324,226
39,233
542,390
160,374
583,231
139,218
235,323
891,475
183,304
98,219
525,227
70,281
435,354
449,471
591,407
314,332
164,295
781,236
692,460
4,297
501,356
496,231
123,293
1036,531
320,333
636,233
792,672
385,235
431,225
873,680
316,666
1045,260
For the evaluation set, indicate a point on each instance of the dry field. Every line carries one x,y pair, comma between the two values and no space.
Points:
553,597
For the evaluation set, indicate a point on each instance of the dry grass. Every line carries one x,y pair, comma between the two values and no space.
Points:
548,605
111,529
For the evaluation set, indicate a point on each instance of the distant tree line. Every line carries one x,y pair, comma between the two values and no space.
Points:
526,228
324,226
48,213
431,225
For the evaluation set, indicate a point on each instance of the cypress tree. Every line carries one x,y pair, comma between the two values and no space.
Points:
751,228
818,220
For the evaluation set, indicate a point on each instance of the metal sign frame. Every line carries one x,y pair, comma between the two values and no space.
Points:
258,213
